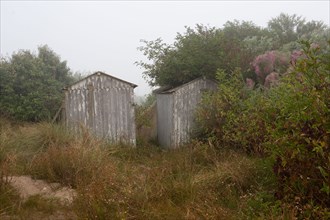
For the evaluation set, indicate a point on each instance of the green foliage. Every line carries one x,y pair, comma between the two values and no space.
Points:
203,50
284,27
289,122
199,52
288,29
238,47
302,135
217,109
231,116
146,121
30,87
194,53
143,112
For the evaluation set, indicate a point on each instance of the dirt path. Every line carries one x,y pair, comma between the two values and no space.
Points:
26,186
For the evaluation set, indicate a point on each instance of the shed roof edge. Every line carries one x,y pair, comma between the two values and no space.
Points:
99,72
168,89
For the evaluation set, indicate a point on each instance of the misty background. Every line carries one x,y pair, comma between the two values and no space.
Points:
104,35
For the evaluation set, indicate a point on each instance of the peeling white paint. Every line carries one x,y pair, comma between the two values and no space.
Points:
100,103
176,109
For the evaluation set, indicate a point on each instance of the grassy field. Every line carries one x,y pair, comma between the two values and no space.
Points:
197,181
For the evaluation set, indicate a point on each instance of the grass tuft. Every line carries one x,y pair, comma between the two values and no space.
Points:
197,181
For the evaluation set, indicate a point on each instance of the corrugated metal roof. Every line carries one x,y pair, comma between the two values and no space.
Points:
107,75
171,89
162,89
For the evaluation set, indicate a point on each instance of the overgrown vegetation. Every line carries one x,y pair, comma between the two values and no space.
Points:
196,181
202,50
262,140
288,122
8,195
31,84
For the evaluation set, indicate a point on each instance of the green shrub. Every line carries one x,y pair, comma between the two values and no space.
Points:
218,110
30,86
302,135
289,123
232,117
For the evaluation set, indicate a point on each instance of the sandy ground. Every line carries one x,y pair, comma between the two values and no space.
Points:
26,186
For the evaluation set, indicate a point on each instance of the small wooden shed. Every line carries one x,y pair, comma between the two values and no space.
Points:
176,109
104,105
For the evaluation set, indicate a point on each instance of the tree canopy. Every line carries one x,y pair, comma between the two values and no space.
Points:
202,50
195,53
30,86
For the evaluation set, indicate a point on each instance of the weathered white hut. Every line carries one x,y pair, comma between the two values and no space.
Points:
175,111
104,105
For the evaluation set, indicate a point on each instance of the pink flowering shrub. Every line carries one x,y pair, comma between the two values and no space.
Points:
250,83
271,61
300,54
271,79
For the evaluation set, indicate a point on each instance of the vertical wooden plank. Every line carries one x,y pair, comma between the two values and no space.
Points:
104,105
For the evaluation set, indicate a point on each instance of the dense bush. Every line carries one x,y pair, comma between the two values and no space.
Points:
31,84
301,135
200,51
288,122
231,116
271,61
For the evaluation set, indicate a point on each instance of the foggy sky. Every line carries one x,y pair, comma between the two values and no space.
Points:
104,35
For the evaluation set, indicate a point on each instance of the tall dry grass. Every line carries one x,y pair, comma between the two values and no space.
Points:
197,181
8,196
